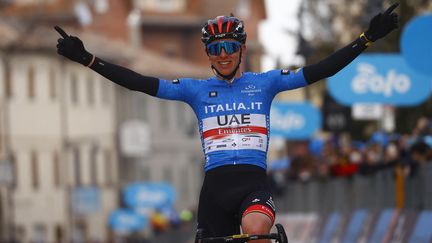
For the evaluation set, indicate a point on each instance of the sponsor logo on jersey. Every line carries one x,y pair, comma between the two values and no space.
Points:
250,90
271,203
231,106
285,71
176,81
229,120
252,136
235,132
212,94
255,200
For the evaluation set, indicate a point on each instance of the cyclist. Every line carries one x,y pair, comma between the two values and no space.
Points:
233,113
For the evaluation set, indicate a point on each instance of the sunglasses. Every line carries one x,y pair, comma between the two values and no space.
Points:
230,47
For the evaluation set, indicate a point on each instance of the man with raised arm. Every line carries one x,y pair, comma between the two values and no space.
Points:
233,113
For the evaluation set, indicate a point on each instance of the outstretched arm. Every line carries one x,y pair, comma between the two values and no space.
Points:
72,48
379,26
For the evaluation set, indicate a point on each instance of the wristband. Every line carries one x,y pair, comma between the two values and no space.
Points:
365,40
92,61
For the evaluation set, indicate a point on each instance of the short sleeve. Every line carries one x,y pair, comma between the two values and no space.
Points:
177,89
283,80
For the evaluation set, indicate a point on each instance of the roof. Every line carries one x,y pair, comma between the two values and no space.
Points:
18,37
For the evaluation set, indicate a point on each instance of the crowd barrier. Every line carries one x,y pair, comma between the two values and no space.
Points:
386,206
361,225
377,191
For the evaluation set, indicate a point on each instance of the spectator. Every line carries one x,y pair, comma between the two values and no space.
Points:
303,164
419,156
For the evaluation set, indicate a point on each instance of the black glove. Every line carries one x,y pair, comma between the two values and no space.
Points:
382,24
73,48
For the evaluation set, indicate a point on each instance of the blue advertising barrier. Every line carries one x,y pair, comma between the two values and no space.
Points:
382,225
330,227
423,228
294,120
360,225
355,226
379,78
126,221
151,194
416,42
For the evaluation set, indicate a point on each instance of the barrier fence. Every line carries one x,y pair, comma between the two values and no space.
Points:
383,207
365,226
384,189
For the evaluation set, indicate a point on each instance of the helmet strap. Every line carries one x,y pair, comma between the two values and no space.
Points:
230,77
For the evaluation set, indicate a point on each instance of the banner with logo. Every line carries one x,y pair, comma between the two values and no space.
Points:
151,194
379,78
126,221
415,43
294,121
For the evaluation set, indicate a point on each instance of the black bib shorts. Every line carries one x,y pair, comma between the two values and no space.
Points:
228,193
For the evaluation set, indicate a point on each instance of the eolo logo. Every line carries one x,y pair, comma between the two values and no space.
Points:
368,80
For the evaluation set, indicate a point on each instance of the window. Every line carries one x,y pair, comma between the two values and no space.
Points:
108,167
101,6
39,233
8,82
20,233
10,172
34,170
56,169
59,234
31,83
162,5
243,9
74,89
77,166
93,165
14,171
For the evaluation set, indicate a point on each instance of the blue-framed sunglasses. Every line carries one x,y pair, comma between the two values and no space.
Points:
230,47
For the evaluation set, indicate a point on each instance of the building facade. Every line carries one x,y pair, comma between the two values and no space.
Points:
60,139
60,123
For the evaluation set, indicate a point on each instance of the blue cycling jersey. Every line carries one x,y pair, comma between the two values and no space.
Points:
234,119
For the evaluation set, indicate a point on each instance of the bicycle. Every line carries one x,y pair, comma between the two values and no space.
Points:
279,237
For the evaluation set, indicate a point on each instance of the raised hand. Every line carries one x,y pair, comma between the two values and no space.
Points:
382,24
72,48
